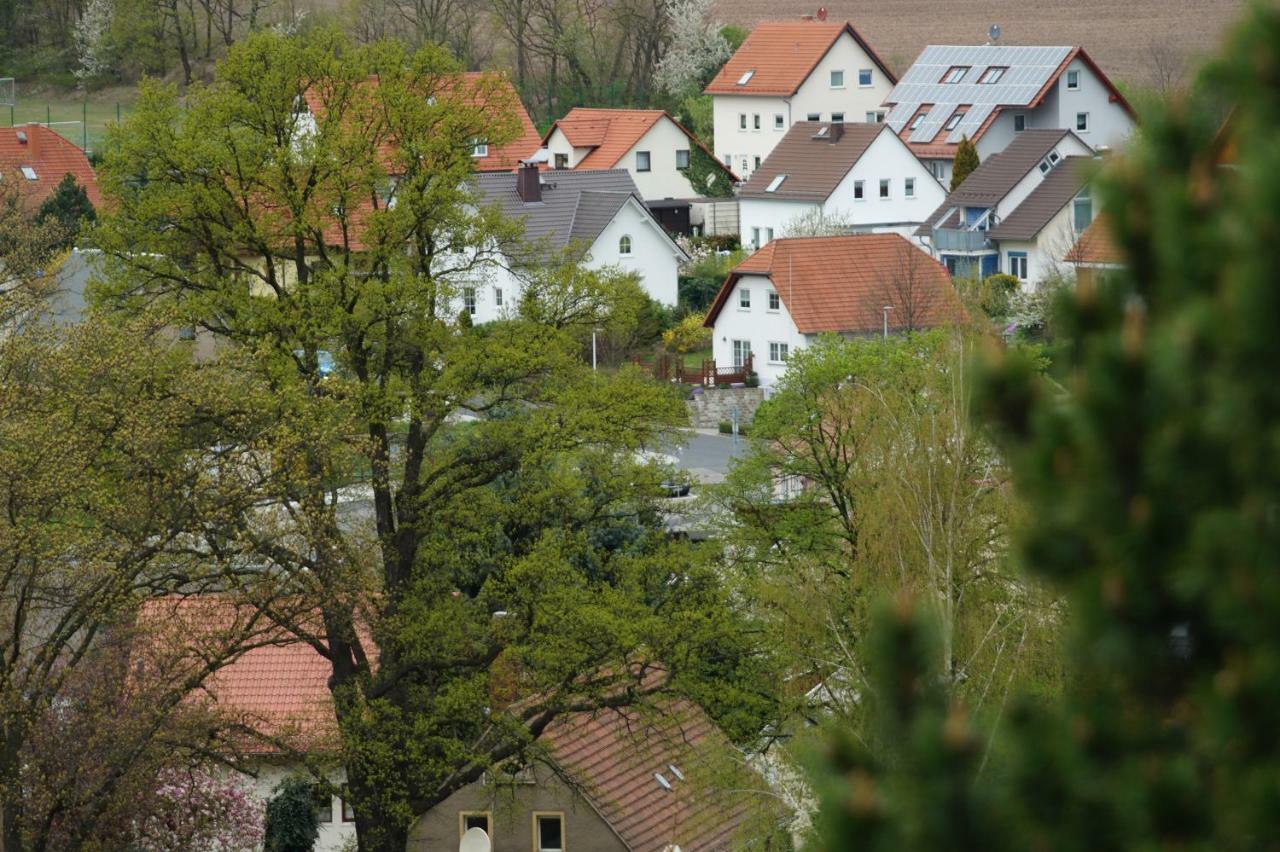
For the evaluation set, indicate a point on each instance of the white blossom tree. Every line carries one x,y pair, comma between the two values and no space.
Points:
697,48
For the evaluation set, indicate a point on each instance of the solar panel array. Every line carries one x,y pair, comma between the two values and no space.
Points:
1029,69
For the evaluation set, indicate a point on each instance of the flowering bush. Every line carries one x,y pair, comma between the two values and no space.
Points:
196,811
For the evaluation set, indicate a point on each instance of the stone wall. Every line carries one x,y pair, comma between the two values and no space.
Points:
710,408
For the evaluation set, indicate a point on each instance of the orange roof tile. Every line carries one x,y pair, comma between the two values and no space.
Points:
50,156
490,90
1095,246
841,284
614,132
781,55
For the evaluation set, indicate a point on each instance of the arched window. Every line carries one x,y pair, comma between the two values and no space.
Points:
624,245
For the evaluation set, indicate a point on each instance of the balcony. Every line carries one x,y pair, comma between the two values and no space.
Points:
954,239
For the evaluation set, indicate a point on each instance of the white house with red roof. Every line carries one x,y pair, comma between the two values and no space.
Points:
790,71
794,290
38,158
650,144
992,93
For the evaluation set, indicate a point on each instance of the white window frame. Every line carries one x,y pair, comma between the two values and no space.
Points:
869,73
831,78
757,162
488,822
755,122
625,245
875,116
1019,118
837,118
917,121
497,297
775,302
859,190
469,300
648,161
779,121
779,352
741,350
744,293
742,121
1073,79
909,187
955,74
679,152
29,173
480,149
886,189
1085,116
813,116
1018,265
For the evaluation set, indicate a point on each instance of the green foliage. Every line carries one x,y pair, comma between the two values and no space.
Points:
69,207
734,34
1151,476
993,296
700,279
688,335
707,175
292,822
966,162
515,551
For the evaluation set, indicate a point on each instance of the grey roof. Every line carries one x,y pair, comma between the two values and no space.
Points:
67,304
575,205
1028,70
813,167
1045,201
999,174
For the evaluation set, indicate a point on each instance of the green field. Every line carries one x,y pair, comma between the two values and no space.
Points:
81,118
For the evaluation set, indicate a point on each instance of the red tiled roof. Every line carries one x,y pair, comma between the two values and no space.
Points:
50,156
614,132
615,754
282,690
1095,246
487,89
841,284
782,54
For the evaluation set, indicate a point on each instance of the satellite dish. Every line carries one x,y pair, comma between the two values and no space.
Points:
994,33
475,840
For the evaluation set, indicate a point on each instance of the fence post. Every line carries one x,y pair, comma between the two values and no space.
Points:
84,126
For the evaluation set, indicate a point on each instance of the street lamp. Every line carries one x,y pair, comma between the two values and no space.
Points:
594,331
887,308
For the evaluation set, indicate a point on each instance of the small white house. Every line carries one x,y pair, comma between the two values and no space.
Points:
859,174
792,291
596,212
1020,212
651,145
994,93
791,71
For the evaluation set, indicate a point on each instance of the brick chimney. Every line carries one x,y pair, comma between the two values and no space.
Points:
837,130
33,132
528,183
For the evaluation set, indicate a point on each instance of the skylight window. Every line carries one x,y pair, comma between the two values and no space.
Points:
992,74
746,77
954,121
822,132
955,73
775,183
28,173
917,121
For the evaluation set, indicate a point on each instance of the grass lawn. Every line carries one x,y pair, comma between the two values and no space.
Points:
95,109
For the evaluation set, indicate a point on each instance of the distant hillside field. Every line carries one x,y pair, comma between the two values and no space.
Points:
1133,40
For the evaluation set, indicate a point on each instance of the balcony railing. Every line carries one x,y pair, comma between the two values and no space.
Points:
954,239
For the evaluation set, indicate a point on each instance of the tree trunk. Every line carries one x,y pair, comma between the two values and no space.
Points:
11,806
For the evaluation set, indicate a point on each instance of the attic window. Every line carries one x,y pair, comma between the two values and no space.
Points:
955,73
993,74
1049,162
822,132
915,122
746,77
28,173
775,183
662,781
954,121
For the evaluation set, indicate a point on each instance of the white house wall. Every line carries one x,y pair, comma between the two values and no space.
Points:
1068,147
653,257
886,157
663,180
740,149
334,836
1047,252
756,324
1109,124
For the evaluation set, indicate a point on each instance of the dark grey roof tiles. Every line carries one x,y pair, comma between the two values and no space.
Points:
813,166
1045,201
575,205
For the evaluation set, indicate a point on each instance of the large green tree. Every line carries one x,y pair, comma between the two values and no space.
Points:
867,478
1152,476
503,545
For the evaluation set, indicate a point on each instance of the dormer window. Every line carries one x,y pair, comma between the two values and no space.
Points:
954,121
775,183
1049,162
955,74
746,77
992,74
